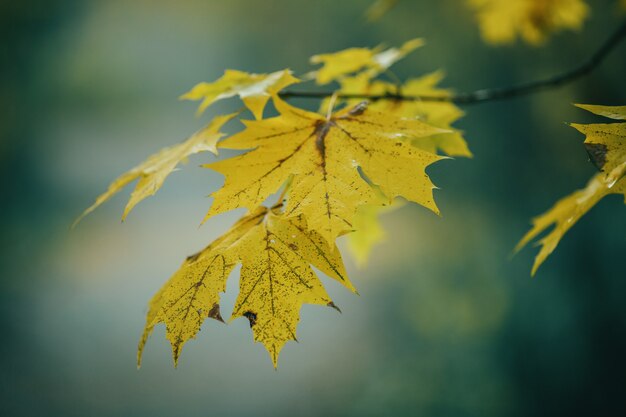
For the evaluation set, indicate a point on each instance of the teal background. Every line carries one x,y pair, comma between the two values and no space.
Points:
445,324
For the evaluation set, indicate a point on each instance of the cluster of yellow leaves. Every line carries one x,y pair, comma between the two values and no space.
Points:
338,171
606,146
502,21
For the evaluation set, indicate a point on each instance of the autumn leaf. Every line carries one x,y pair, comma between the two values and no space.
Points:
323,156
566,212
440,114
192,293
276,278
605,142
368,231
501,21
253,89
339,64
606,145
154,170
276,254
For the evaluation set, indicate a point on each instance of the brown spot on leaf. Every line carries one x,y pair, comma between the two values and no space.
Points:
597,154
214,313
293,247
251,317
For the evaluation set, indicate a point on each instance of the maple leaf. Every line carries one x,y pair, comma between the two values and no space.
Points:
439,114
605,142
253,89
154,170
322,156
368,231
339,64
192,294
276,254
606,145
501,21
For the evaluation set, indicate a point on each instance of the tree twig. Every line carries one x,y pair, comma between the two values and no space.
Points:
481,96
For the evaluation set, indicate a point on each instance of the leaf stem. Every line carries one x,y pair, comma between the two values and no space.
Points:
490,94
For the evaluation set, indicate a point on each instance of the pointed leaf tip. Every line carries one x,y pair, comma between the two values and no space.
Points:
152,173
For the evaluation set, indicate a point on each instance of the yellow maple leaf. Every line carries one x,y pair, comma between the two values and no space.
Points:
368,231
253,89
276,254
154,170
348,61
606,145
322,155
439,114
501,21
605,142
192,293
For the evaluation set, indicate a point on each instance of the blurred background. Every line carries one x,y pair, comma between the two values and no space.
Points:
446,323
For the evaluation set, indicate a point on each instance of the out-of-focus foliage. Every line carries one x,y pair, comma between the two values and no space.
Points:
502,21
368,232
606,145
